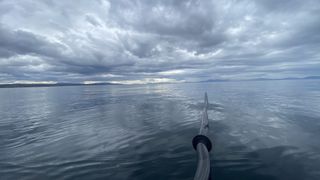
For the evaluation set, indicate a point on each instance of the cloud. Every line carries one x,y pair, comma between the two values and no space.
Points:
21,42
151,41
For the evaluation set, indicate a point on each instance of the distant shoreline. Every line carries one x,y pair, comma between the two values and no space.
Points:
52,85
264,79
20,85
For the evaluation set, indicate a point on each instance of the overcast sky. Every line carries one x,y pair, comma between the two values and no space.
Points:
157,41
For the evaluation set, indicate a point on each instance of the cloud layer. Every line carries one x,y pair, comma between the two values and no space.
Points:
158,41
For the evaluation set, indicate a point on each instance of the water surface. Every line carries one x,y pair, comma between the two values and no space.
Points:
260,130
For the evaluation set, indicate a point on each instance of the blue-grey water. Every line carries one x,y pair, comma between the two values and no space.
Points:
260,130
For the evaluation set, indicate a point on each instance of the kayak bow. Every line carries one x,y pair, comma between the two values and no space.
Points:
202,144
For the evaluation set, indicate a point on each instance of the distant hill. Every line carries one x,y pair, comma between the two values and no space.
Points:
215,80
93,84
51,85
312,77
263,79
290,78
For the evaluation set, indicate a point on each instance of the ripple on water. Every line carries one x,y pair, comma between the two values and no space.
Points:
145,132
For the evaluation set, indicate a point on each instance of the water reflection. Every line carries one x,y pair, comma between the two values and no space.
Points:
260,130
281,162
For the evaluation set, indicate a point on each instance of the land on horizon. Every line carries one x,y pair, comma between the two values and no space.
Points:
17,85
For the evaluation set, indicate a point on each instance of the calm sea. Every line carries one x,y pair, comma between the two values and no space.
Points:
263,130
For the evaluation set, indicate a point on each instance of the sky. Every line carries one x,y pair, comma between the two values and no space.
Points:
153,41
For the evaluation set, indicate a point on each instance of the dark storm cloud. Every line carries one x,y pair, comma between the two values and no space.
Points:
23,42
158,41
